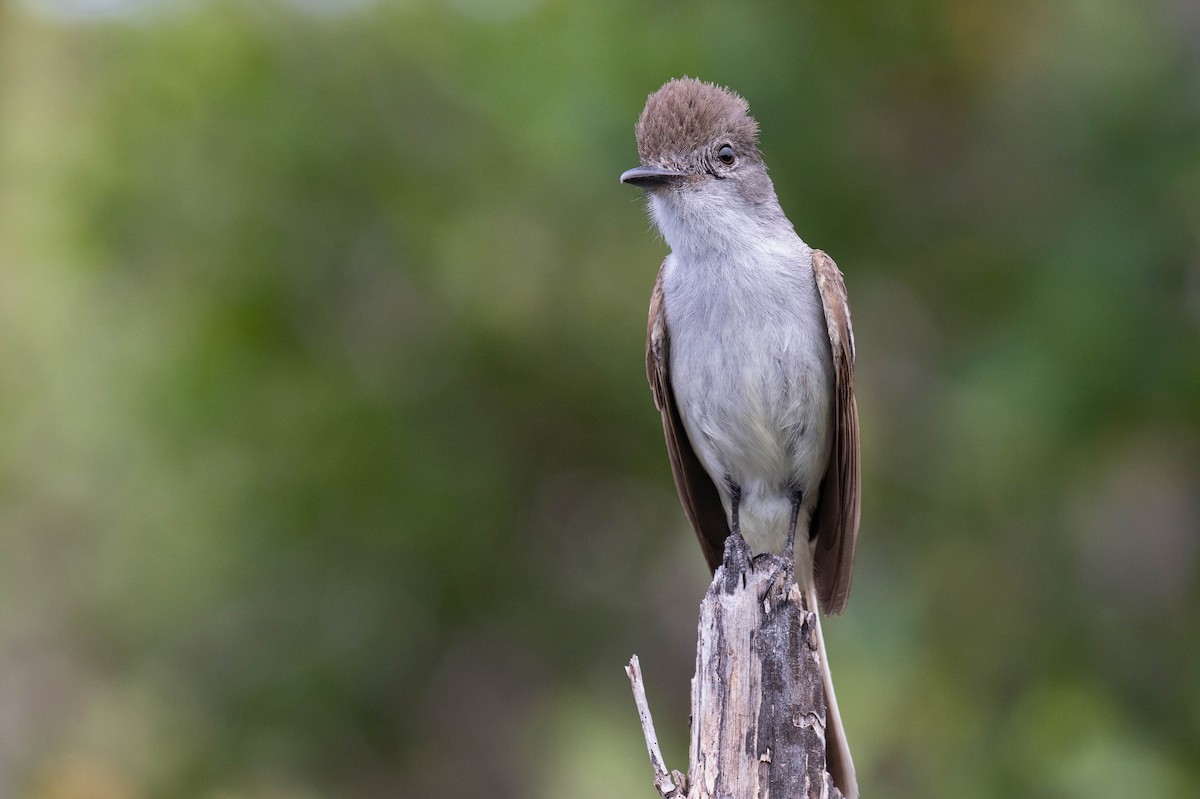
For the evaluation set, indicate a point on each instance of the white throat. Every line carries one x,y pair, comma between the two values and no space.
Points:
706,222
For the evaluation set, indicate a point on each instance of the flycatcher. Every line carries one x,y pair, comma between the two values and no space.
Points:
750,357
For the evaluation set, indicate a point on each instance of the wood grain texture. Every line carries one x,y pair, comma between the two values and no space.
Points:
758,710
758,701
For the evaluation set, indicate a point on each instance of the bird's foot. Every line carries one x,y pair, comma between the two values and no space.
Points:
789,549
735,499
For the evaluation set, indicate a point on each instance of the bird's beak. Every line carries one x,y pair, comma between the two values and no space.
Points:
651,177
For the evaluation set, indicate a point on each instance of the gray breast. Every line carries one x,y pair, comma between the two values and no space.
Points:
751,369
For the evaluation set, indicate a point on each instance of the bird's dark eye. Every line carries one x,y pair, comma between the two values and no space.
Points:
725,155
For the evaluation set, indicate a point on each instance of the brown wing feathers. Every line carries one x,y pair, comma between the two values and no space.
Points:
836,517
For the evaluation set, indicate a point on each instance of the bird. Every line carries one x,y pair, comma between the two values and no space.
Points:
750,358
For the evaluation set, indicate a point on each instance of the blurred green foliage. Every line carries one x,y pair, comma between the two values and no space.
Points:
327,465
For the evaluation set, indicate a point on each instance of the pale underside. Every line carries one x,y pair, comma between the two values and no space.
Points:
750,355
751,370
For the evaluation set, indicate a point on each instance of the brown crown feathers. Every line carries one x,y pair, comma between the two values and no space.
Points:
687,114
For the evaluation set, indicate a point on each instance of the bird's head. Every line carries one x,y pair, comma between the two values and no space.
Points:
698,147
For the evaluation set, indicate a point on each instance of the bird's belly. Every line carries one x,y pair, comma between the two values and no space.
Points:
756,406
756,403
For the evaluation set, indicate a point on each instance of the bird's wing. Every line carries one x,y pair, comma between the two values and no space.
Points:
697,493
835,520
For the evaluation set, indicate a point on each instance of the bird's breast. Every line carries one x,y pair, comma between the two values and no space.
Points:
750,368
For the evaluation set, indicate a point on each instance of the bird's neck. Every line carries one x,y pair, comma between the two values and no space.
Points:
714,232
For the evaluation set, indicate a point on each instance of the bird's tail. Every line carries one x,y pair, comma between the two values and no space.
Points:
838,762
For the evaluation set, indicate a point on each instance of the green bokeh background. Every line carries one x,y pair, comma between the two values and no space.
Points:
327,463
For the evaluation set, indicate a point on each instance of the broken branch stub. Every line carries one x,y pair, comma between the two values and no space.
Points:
758,705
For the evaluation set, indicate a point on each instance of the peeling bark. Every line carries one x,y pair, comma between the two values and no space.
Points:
758,705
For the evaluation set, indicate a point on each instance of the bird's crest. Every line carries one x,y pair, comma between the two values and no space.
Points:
687,114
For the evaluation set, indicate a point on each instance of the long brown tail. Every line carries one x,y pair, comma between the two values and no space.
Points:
838,762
